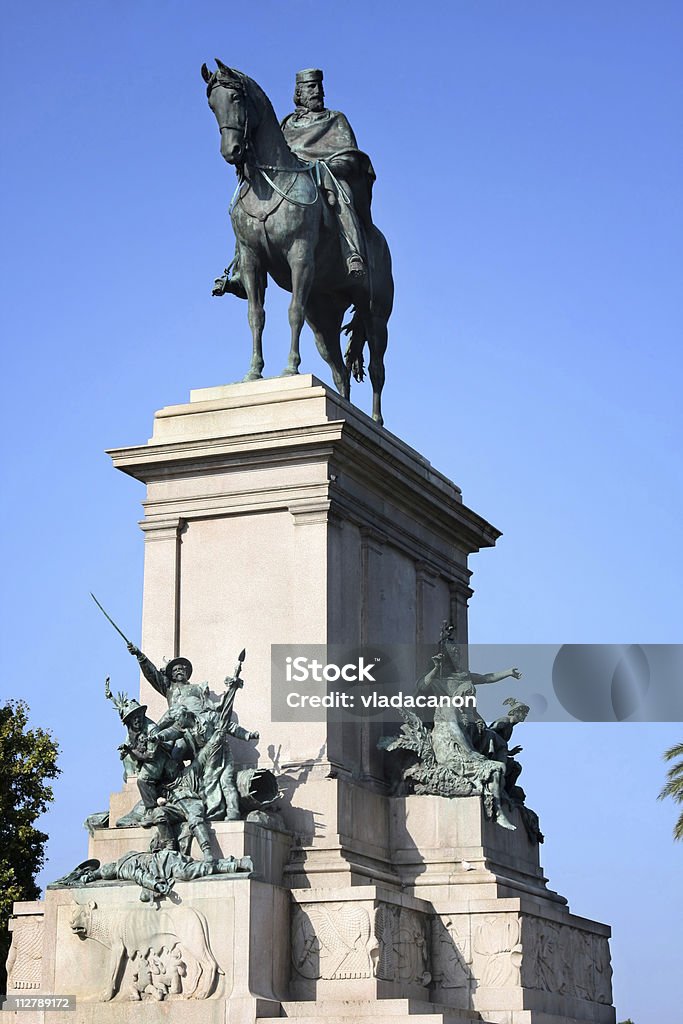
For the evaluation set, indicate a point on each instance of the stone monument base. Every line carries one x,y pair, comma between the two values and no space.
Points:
444,917
276,512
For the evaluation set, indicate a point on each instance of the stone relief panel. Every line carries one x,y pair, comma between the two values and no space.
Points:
576,962
333,941
497,951
157,977
602,963
414,954
404,945
154,954
566,961
347,940
388,931
543,966
451,952
25,960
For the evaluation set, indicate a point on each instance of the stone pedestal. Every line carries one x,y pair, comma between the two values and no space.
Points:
275,512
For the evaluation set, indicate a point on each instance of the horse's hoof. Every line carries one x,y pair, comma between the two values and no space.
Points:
290,371
252,375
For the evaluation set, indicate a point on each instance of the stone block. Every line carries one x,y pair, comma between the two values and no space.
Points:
268,846
437,842
359,943
218,942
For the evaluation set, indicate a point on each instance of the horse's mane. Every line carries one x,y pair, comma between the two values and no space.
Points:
237,79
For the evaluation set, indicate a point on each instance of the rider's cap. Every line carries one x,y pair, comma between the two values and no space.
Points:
187,665
130,708
309,75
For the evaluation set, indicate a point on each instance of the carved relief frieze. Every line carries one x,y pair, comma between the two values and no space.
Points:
346,940
25,959
161,952
566,961
602,976
157,976
413,948
388,931
497,951
451,952
404,945
333,941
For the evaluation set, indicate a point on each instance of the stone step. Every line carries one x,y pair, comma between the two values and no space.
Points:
379,1017
369,1011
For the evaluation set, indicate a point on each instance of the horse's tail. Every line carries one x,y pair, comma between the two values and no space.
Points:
354,351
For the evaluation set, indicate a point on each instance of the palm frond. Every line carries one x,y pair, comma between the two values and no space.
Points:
673,787
678,828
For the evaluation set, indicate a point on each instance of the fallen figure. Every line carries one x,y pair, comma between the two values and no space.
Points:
156,872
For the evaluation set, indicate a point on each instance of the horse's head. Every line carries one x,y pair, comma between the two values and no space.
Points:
228,97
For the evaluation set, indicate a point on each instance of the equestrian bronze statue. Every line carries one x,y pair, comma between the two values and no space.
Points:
301,213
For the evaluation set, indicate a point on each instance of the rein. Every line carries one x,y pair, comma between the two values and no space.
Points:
296,170
313,169
310,168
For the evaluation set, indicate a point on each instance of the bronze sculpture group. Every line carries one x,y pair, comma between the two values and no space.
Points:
458,753
301,213
185,775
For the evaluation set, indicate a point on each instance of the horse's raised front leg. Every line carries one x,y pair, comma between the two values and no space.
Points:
254,278
302,266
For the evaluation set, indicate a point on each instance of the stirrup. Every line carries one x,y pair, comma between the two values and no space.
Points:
355,265
220,284
226,285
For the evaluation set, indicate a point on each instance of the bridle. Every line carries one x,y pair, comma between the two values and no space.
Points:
236,84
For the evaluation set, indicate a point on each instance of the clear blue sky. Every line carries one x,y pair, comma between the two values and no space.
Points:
529,166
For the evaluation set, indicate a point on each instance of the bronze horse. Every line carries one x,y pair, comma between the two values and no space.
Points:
284,227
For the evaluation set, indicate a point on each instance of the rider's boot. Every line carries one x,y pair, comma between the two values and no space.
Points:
352,235
224,284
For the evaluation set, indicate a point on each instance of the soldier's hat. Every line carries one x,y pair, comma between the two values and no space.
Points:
128,709
309,75
187,665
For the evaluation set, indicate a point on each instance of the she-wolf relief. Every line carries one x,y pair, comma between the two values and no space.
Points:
160,953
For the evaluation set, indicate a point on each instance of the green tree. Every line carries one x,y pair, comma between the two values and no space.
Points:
27,758
674,784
